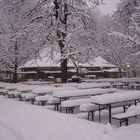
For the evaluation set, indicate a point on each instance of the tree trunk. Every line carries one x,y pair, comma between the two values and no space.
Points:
120,72
64,71
61,37
15,77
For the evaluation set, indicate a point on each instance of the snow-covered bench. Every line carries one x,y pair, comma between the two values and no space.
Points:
42,99
22,96
13,94
132,111
30,97
70,105
54,101
3,92
91,108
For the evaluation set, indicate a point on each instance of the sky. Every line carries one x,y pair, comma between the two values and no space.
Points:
109,6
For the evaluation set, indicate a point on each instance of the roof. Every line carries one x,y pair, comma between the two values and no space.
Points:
101,62
45,62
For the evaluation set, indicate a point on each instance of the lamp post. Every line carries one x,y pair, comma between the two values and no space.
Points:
128,67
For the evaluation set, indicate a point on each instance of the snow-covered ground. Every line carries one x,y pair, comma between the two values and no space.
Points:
20,120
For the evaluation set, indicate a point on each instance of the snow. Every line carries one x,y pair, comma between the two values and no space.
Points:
134,108
79,92
112,70
23,121
132,111
51,89
3,91
75,102
53,100
94,85
116,97
30,96
101,62
23,95
13,93
42,98
88,107
44,61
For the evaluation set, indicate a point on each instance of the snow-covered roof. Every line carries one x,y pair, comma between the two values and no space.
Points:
45,62
112,70
100,62
42,62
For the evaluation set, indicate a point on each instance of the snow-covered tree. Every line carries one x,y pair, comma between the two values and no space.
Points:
67,26
120,41
127,26
15,43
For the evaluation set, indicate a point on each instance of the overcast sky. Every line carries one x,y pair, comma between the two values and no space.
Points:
108,6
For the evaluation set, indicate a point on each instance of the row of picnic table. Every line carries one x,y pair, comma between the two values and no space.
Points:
99,98
127,85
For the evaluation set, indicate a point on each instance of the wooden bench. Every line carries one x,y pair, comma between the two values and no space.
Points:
124,117
91,108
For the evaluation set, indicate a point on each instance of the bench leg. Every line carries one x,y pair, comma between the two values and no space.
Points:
66,110
56,107
71,110
109,107
99,114
60,109
92,114
32,101
124,109
125,121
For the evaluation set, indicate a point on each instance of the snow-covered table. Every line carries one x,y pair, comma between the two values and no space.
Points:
94,85
77,93
120,84
106,101
66,94
134,86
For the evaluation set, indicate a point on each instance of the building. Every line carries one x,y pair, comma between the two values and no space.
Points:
48,69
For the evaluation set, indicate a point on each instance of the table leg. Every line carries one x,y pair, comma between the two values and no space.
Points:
99,113
109,107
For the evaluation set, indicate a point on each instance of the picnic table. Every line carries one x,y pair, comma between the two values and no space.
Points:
24,90
134,86
94,85
107,101
120,84
41,92
11,88
66,94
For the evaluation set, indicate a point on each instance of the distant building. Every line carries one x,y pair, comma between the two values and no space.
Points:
47,69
